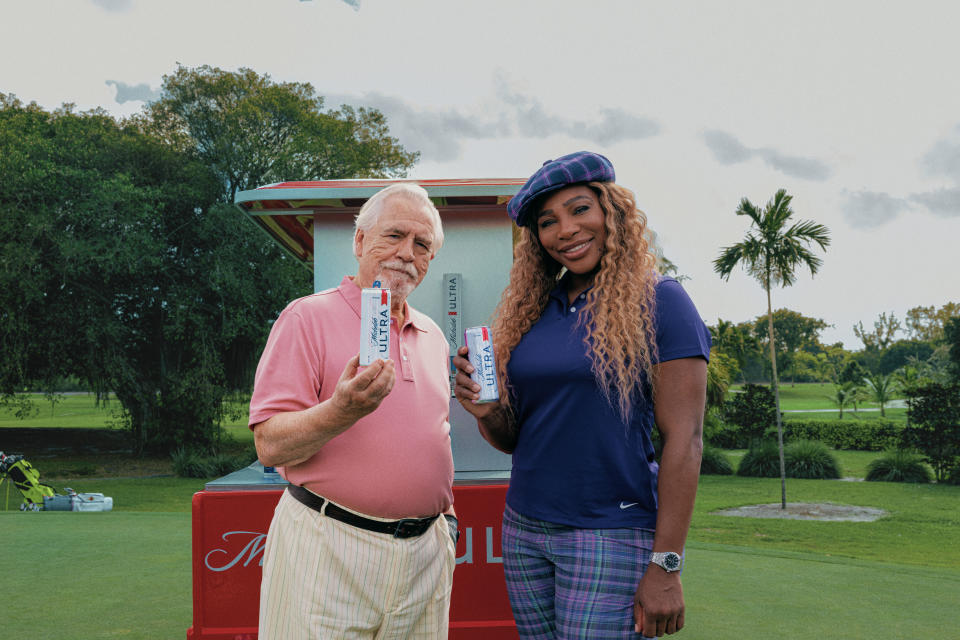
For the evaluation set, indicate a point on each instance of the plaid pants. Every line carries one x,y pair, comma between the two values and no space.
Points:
567,583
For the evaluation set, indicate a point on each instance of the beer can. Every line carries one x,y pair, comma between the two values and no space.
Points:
480,345
374,324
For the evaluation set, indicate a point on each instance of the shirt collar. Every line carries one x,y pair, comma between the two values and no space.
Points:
351,294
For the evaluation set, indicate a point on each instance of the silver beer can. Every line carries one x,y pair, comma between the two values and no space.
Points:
374,324
480,344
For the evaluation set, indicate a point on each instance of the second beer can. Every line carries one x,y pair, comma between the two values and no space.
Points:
374,324
480,345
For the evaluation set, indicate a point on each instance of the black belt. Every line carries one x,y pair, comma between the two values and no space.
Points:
406,528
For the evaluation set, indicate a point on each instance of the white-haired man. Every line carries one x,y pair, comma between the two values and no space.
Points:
362,543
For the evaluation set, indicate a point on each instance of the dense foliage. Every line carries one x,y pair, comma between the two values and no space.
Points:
934,428
122,261
859,435
753,410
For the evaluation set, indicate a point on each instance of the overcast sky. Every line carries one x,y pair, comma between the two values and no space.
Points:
852,107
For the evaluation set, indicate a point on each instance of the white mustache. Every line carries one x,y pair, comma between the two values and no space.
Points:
403,267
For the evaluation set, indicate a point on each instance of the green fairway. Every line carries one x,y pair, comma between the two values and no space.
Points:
74,410
127,573
81,576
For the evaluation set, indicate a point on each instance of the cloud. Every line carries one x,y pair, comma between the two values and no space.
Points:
439,134
871,209
941,202
944,157
114,5
133,93
727,149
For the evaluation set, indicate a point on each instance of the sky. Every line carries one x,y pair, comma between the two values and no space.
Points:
853,107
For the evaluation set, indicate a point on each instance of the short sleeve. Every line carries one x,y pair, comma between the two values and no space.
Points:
681,333
289,374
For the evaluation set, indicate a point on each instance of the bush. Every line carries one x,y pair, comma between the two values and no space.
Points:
761,462
715,462
953,477
810,459
899,466
753,410
190,464
859,435
722,434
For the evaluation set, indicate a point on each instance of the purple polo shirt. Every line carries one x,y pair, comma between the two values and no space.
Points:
395,462
576,462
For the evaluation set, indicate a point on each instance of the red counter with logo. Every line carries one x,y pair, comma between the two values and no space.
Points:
230,528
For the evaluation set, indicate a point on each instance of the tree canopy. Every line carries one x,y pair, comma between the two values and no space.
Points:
251,131
122,261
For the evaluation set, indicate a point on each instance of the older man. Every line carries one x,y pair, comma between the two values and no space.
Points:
357,547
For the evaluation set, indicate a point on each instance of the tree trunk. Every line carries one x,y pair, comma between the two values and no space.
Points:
776,397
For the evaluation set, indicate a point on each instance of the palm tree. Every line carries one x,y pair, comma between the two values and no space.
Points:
771,253
843,395
881,388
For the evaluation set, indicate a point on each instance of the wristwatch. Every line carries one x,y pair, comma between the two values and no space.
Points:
669,560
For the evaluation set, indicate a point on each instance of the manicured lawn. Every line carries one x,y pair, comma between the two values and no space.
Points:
127,573
74,410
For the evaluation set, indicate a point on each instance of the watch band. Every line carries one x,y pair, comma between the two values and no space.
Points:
670,561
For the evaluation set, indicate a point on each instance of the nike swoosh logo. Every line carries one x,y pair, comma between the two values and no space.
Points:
624,505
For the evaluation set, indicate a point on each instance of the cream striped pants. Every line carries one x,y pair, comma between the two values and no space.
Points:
323,578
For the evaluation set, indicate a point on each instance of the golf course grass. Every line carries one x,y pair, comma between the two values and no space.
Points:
127,573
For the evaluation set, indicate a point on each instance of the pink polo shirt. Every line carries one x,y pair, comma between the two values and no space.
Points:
395,462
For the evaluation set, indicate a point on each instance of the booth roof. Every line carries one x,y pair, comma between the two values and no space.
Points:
286,210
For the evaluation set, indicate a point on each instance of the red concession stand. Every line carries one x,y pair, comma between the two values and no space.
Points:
313,221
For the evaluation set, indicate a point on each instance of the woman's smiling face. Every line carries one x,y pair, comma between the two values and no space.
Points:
570,225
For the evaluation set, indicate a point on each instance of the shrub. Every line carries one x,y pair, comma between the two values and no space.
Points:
715,462
859,435
810,459
722,434
753,409
190,464
953,477
761,462
899,466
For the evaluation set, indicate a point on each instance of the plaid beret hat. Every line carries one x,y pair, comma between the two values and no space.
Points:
575,168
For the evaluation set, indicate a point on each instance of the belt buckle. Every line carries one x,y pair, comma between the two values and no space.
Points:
407,528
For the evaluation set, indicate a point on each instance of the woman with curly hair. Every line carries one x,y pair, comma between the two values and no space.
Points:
594,347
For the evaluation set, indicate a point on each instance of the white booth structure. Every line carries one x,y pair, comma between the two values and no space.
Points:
313,221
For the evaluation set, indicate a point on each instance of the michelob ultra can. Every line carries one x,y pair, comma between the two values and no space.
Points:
480,345
374,324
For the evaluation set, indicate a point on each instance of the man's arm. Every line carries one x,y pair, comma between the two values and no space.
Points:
289,438
679,402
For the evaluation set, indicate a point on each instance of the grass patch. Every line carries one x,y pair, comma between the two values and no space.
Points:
924,515
96,575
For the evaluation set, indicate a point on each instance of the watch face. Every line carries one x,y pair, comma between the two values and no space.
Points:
671,561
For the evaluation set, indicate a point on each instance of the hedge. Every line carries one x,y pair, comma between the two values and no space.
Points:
860,435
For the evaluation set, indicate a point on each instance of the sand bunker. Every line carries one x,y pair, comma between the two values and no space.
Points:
806,511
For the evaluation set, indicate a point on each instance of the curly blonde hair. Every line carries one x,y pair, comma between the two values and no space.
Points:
619,310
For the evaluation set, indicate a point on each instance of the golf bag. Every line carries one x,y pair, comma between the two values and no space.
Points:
26,479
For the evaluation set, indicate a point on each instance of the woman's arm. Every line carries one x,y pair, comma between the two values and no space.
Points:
679,400
494,419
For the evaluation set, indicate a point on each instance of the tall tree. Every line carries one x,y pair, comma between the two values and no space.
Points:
884,331
794,331
771,252
123,263
926,323
253,131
